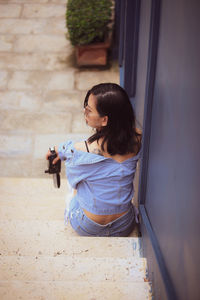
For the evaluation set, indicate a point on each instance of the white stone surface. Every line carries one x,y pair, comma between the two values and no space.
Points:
83,290
58,1
79,124
3,79
35,61
23,166
9,10
41,213
9,100
32,26
61,80
31,213
43,142
26,122
30,101
6,42
72,268
15,145
60,242
25,1
86,79
64,101
20,100
32,43
42,80
28,80
43,11
28,1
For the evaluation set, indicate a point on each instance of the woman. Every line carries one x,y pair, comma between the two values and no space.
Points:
102,168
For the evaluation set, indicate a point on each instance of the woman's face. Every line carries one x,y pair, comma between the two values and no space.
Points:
92,117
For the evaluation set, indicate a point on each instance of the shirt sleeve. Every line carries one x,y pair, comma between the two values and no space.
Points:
80,166
75,171
65,150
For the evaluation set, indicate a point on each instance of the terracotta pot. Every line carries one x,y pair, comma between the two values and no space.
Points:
93,54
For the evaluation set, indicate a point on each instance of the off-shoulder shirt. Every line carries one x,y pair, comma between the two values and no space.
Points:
104,186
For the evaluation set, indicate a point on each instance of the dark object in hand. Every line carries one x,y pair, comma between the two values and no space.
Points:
54,169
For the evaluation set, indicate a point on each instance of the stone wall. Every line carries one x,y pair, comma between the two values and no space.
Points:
41,89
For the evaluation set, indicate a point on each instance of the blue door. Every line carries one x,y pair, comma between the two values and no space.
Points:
166,97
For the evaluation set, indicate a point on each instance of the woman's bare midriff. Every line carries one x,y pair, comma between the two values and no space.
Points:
102,219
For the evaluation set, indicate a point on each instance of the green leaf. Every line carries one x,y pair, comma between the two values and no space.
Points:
87,20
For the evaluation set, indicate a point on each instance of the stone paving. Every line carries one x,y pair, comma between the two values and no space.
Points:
41,89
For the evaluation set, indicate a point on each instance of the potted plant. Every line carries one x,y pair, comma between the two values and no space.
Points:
89,30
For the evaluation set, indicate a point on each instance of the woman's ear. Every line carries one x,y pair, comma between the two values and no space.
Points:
104,121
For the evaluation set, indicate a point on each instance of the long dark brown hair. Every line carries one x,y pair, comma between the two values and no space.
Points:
120,134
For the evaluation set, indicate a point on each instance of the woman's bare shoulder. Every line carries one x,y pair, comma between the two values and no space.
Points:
93,147
80,146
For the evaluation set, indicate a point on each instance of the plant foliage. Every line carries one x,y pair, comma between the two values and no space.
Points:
87,20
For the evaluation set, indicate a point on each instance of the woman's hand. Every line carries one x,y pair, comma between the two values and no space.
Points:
57,157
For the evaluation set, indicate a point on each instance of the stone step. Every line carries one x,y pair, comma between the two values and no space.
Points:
34,199
31,199
52,238
40,258
70,290
53,212
29,189
64,268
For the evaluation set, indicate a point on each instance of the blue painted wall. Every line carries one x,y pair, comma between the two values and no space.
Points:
168,110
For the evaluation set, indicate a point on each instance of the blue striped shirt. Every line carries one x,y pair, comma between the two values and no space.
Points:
104,186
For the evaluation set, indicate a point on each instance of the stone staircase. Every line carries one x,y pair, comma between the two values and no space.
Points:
41,98
40,258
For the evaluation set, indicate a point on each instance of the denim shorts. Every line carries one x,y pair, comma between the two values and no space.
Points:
84,226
